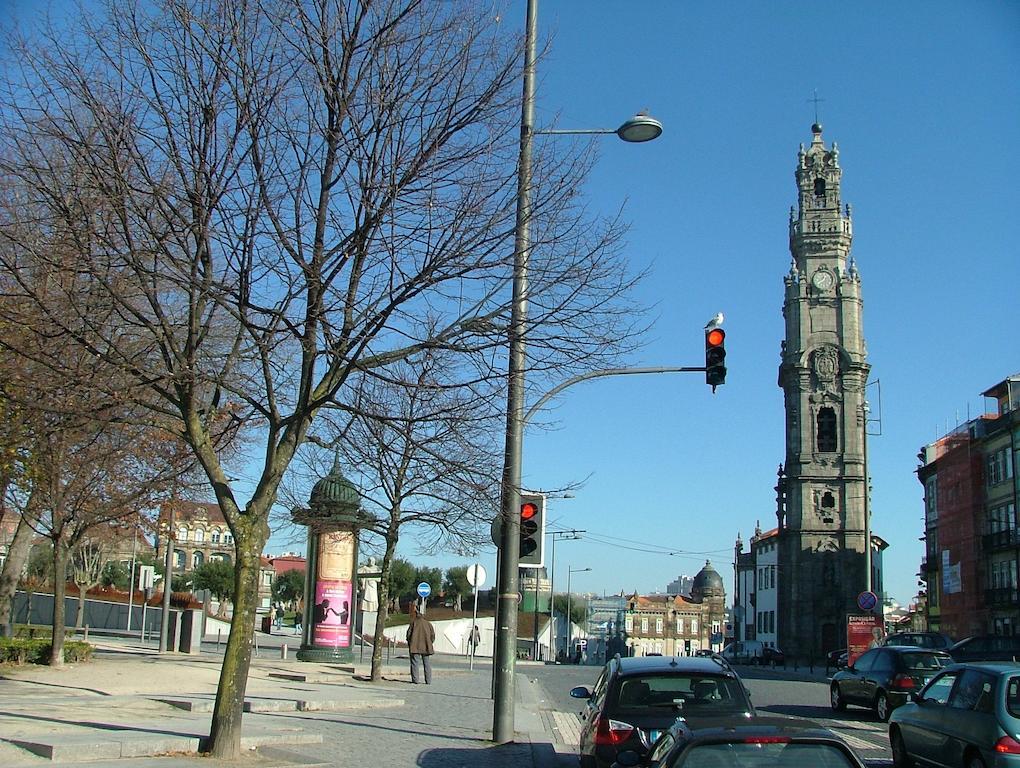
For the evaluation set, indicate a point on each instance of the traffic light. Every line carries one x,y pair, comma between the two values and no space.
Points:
715,357
532,551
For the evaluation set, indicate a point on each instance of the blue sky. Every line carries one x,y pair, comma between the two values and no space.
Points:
924,101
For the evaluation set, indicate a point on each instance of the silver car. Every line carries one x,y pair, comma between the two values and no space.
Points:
968,716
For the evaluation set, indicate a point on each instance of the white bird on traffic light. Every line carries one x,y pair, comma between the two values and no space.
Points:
715,322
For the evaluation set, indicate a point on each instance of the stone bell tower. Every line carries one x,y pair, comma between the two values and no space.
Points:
823,372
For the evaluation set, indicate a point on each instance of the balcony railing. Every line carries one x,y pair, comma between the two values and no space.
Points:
1002,597
1001,540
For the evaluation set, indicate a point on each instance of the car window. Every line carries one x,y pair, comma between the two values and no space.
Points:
688,693
598,694
885,661
938,690
1013,696
662,747
971,689
866,661
920,661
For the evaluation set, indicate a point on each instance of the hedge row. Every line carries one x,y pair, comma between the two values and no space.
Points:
21,651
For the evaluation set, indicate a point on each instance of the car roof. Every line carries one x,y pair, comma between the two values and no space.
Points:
643,665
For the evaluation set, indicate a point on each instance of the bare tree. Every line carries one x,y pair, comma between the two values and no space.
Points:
87,563
271,197
422,446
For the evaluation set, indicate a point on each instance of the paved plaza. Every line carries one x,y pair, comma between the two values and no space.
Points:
132,706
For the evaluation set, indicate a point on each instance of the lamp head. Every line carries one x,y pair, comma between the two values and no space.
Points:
640,128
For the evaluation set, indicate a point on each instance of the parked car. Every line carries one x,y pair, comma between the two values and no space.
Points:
968,715
744,652
773,656
837,658
635,699
987,648
935,640
882,678
759,741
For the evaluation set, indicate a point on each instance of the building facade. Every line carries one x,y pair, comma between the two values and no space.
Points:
677,625
971,480
200,534
819,553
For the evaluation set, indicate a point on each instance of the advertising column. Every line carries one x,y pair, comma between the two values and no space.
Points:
334,590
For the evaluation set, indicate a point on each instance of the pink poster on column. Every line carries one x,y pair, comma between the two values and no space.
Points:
331,615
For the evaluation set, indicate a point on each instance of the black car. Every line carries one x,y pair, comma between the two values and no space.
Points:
636,699
935,640
883,678
758,741
987,648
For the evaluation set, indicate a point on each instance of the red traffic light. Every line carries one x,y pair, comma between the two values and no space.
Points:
715,337
528,510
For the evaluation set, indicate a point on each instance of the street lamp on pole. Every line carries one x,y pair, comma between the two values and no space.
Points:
640,128
566,535
570,621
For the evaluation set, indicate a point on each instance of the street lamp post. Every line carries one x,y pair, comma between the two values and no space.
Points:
552,579
638,129
570,621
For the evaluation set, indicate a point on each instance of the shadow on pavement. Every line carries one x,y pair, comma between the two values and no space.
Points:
98,726
56,685
495,756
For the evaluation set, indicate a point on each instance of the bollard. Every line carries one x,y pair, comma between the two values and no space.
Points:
218,633
86,638
283,651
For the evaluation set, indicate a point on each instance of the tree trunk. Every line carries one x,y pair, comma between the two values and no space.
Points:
378,638
80,619
225,734
59,590
17,556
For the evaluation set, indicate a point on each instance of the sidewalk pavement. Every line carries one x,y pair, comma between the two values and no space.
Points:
131,706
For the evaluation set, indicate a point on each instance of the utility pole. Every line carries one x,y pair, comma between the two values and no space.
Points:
168,579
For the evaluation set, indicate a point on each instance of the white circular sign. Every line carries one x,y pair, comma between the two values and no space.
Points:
475,575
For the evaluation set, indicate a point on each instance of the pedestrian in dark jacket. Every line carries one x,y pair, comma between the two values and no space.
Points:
420,637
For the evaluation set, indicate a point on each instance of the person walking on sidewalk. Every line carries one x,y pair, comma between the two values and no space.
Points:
420,637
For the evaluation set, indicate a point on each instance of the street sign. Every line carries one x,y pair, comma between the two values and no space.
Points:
424,590
867,601
583,642
496,530
475,575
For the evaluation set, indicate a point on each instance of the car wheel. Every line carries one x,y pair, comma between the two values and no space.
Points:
836,698
882,708
587,761
900,758
975,761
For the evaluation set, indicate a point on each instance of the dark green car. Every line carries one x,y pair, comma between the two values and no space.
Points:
968,716
883,678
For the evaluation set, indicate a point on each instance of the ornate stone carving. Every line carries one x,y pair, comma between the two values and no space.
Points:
828,544
825,362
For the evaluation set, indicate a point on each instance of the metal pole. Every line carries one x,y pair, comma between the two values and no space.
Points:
554,642
570,621
506,629
168,580
471,635
534,573
867,493
131,578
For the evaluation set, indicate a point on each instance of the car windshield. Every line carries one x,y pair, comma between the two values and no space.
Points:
924,661
701,694
768,755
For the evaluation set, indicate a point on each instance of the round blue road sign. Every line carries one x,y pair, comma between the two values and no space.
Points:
867,601
424,590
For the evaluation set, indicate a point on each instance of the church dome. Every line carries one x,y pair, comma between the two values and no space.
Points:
708,583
